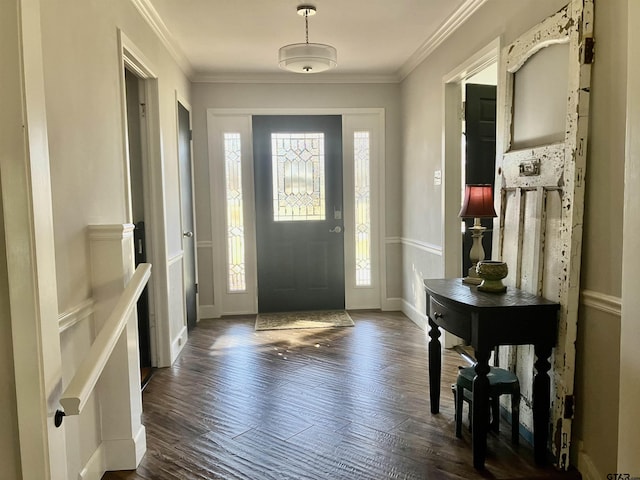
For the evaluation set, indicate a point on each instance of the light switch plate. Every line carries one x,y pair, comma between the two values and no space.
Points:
437,177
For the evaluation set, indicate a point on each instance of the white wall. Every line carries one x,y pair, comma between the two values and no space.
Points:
248,96
82,69
9,447
86,135
9,114
595,428
422,117
598,345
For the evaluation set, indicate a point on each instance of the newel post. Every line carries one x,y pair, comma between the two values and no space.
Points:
120,396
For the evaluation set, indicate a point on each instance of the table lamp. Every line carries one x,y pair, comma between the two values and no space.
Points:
477,204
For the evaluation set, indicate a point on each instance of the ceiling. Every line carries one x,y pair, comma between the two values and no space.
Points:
238,40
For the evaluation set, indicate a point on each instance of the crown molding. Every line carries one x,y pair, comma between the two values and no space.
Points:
292,78
455,20
461,15
151,16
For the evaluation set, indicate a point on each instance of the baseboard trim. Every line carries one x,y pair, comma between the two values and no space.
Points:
96,466
417,317
208,311
114,455
392,305
127,453
586,467
178,344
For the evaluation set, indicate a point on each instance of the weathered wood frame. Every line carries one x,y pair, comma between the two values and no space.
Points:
573,25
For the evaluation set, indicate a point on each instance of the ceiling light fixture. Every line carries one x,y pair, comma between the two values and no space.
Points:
307,57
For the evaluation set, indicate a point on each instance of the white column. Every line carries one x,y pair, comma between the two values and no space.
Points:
112,265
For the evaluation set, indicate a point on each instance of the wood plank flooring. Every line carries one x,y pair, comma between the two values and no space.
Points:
317,404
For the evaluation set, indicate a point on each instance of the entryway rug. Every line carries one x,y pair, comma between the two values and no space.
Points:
311,319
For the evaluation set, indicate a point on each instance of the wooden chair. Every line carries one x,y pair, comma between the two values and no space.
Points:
501,382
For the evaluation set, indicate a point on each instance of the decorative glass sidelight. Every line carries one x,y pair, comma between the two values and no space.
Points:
235,219
298,176
362,192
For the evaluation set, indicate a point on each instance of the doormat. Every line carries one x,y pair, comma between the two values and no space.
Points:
311,319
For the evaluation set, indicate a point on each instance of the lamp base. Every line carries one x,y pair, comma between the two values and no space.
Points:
472,277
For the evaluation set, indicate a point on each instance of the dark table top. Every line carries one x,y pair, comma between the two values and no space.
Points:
469,296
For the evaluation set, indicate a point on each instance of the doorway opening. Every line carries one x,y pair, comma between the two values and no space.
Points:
150,185
478,70
479,152
136,145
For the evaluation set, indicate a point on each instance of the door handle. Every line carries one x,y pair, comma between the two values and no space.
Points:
337,229
187,234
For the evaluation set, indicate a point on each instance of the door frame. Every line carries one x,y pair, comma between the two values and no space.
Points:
132,58
452,151
187,106
28,273
452,159
355,297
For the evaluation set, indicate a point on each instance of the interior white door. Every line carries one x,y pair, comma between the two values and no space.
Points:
544,107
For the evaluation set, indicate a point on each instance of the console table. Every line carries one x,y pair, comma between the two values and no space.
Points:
486,320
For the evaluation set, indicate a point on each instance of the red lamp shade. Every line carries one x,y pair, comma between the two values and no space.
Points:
478,202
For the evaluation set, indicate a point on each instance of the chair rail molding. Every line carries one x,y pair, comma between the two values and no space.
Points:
601,301
75,315
424,246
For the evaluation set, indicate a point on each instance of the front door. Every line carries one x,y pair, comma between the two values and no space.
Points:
186,201
299,221
540,176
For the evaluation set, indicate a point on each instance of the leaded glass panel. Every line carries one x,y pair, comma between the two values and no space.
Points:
298,176
362,189
235,221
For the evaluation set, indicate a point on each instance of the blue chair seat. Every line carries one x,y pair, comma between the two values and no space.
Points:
501,382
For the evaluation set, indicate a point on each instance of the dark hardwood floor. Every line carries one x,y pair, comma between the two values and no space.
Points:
320,404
